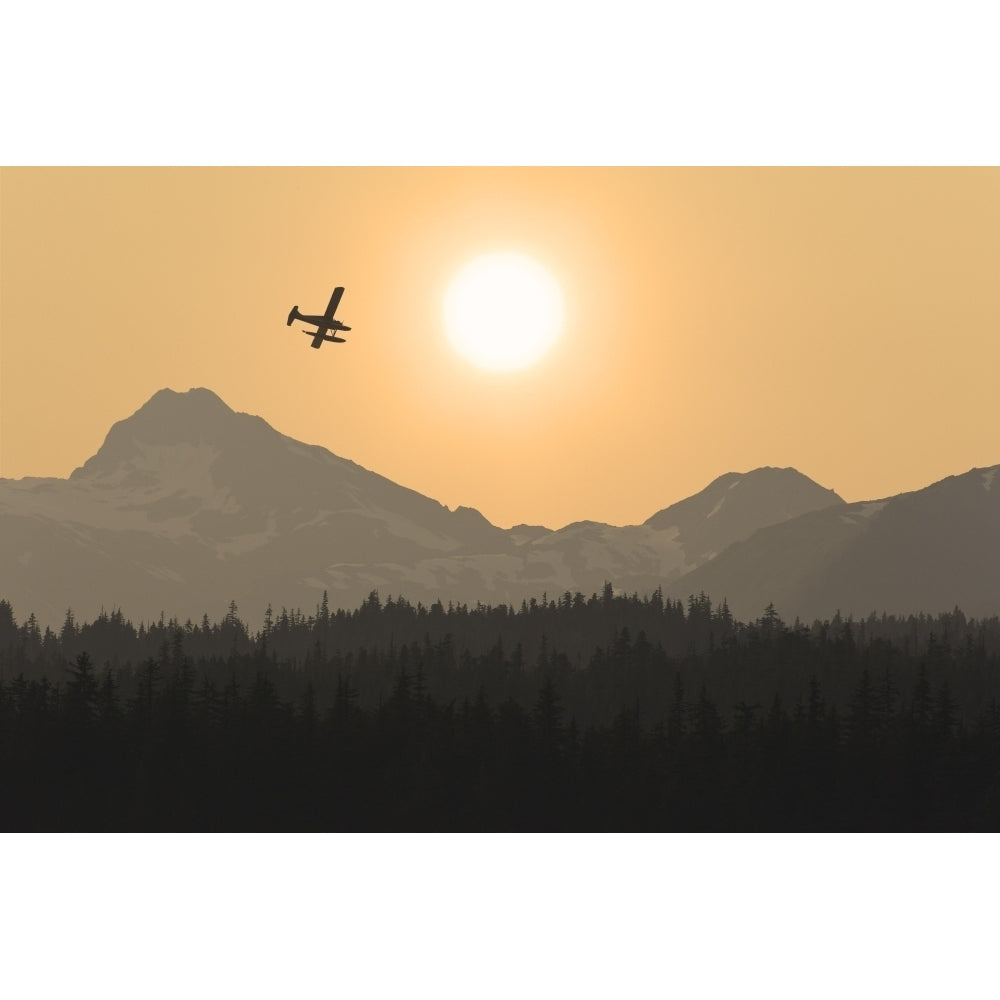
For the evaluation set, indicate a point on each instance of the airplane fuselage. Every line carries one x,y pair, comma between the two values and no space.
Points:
324,324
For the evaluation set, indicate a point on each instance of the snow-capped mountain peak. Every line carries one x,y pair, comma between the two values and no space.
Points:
721,514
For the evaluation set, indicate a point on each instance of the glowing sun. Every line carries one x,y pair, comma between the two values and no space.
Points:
503,312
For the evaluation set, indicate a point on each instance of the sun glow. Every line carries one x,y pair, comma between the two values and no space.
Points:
503,312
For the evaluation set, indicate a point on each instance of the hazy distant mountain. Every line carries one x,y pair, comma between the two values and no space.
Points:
188,505
736,505
582,556
928,550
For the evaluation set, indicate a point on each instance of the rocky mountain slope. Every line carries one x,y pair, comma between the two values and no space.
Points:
928,550
188,505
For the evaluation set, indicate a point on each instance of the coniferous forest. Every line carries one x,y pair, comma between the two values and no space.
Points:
612,712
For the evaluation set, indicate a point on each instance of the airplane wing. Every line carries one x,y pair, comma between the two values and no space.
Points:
318,338
334,302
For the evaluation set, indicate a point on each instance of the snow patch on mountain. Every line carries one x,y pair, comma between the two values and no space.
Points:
988,476
871,508
184,466
862,511
408,530
242,544
583,555
71,503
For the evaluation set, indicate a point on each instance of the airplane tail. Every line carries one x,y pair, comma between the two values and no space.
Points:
293,315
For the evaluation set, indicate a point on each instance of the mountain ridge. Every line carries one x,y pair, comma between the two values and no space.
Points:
188,504
924,550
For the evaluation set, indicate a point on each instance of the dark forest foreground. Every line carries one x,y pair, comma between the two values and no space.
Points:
691,722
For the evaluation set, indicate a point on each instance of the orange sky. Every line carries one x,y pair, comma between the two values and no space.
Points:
845,321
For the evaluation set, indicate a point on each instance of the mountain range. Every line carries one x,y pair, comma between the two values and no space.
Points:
188,505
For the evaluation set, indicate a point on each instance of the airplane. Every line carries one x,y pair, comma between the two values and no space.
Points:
324,323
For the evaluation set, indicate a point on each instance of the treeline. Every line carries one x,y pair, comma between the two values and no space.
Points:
184,754
604,651
613,712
